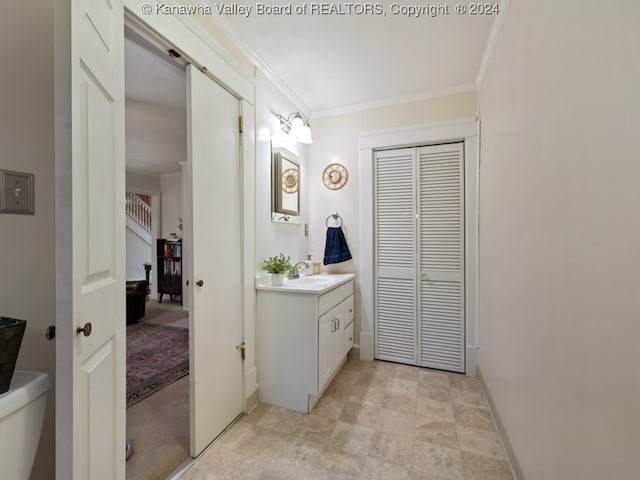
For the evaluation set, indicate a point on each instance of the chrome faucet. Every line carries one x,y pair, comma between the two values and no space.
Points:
294,272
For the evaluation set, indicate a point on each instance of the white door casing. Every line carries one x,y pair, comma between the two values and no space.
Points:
465,130
90,227
214,239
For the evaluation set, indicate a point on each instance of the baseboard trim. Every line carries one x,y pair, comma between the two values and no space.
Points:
251,389
184,466
472,361
252,402
366,346
516,471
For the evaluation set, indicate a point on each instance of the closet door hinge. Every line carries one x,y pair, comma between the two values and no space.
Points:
242,347
240,124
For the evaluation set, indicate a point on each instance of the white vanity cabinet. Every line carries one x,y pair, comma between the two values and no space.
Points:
303,336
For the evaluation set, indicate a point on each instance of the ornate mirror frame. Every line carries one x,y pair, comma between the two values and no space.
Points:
285,186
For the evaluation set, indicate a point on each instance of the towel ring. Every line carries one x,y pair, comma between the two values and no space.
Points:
336,216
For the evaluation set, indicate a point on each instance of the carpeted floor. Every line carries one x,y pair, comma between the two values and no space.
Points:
157,355
158,425
158,429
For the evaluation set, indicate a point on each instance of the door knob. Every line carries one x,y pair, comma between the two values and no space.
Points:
86,330
423,276
200,283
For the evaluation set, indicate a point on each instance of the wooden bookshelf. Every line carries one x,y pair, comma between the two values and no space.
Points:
170,268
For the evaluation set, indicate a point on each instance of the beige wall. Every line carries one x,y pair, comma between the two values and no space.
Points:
559,237
273,238
335,140
170,204
27,278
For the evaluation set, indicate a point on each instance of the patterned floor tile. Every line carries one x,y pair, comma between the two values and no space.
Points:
376,421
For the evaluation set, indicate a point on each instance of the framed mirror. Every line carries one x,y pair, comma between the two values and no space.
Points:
285,186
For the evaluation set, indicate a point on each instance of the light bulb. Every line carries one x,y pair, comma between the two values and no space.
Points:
296,124
305,134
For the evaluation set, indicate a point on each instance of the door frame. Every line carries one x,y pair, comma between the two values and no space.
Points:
465,130
199,47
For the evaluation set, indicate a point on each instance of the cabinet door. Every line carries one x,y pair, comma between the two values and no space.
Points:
337,339
325,337
348,338
348,311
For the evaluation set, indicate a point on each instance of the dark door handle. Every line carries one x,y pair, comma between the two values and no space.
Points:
86,330
200,283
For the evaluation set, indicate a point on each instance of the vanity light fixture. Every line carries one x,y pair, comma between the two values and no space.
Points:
296,126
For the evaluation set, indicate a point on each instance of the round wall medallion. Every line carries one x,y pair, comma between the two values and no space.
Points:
290,180
335,176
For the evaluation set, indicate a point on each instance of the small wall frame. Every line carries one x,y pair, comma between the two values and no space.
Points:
335,176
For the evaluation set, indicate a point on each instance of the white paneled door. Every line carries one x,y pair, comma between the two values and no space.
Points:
420,256
90,268
215,243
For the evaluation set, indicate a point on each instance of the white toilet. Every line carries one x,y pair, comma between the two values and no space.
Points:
21,418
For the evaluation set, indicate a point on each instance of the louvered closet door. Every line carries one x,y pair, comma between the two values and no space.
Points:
441,257
396,299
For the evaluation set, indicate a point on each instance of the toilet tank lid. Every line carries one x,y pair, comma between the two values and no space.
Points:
25,387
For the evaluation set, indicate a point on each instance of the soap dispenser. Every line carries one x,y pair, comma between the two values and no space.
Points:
308,266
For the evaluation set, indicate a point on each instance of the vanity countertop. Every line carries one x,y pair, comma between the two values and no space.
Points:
314,284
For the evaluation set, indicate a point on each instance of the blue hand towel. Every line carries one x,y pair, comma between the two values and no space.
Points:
336,249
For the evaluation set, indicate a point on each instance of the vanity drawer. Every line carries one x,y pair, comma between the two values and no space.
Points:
330,299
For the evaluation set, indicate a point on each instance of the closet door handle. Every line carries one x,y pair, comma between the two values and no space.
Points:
423,276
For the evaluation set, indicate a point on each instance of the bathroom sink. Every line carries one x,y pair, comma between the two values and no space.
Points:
320,281
316,284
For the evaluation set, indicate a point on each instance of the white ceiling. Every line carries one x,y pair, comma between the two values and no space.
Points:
330,63
155,109
335,63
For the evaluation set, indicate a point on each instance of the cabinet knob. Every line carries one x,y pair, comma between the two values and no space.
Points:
199,283
423,276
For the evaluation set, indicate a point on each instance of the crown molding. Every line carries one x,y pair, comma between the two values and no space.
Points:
234,37
388,102
496,28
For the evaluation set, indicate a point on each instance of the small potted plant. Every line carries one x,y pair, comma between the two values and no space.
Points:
277,266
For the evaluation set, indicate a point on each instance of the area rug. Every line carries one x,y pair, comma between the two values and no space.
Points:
157,355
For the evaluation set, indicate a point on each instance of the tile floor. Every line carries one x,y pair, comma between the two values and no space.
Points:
377,420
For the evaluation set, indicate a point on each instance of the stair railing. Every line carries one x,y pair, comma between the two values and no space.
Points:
139,210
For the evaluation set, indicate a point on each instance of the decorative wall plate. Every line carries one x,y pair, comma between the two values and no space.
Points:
335,176
290,180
